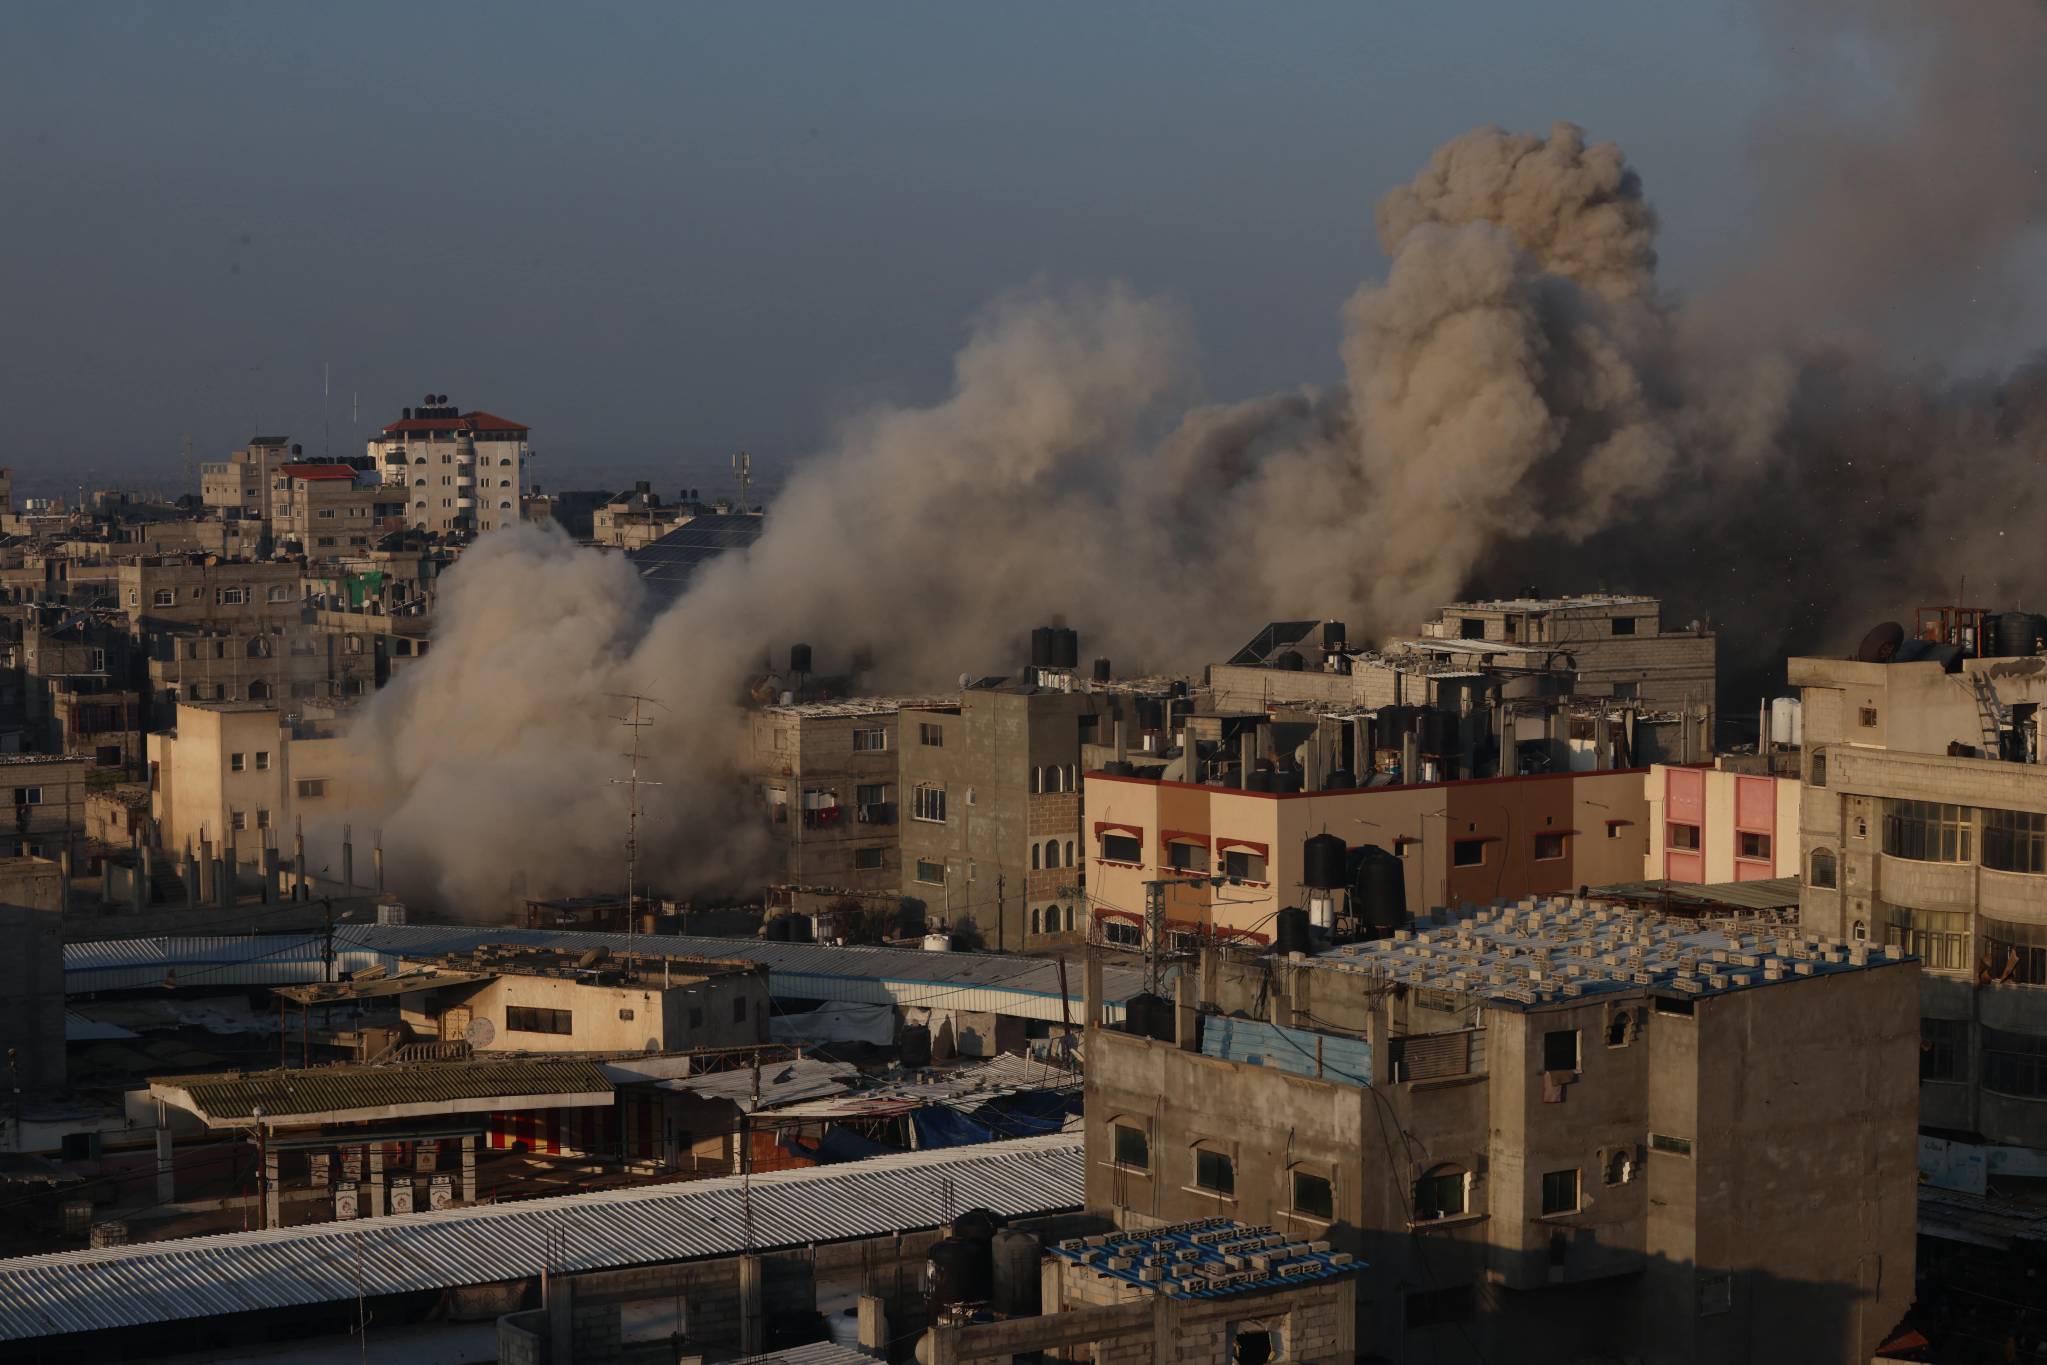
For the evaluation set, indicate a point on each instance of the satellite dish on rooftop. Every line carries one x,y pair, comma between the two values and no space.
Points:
481,1032
1881,644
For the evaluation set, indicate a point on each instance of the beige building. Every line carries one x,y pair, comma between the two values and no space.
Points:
538,1000
1715,825
327,511
1457,843
246,773
1556,1132
239,487
1914,832
461,472
46,795
637,518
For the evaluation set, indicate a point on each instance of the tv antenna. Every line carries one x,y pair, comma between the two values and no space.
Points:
326,427
632,784
742,465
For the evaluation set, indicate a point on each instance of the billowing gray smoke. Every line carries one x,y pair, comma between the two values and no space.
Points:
1522,405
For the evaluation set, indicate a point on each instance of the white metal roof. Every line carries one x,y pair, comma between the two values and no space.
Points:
1026,987
241,1272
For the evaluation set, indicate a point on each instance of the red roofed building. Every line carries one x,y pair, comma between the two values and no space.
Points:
328,509
462,472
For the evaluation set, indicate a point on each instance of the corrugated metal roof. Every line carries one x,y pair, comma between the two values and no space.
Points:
1324,1055
197,1277
817,1353
1768,893
1024,986
791,1082
336,1090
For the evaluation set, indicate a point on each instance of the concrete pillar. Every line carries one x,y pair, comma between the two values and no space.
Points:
188,873
377,859
347,857
298,864
376,1189
469,1169
273,1192
1185,1015
561,1320
224,882
205,879
752,1333
1410,758
874,1326
166,1172
1092,991
269,874
145,876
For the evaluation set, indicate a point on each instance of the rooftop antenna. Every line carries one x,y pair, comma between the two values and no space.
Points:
742,465
632,784
326,430
191,469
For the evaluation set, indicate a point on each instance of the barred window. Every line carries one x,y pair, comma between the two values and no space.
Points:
2015,1063
2014,952
1939,938
1929,832
2015,841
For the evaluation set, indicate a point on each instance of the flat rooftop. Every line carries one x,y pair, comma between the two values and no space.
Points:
592,966
1206,1259
1593,599
1545,951
859,706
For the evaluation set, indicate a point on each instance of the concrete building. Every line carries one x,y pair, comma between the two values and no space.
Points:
1717,825
239,488
830,789
47,794
637,518
246,774
573,510
1554,1131
331,510
1458,842
32,895
462,472
537,1000
1918,828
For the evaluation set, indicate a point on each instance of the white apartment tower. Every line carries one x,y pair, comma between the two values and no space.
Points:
462,472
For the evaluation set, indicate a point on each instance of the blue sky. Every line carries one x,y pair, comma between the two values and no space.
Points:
660,232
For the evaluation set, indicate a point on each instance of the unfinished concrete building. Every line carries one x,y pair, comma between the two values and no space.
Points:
1555,1131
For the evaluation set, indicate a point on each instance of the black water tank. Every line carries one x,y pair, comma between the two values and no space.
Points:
1151,713
776,930
1289,661
1117,767
1178,688
799,658
977,1225
1287,780
1259,781
1436,732
914,1047
1150,1016
1340,780
1065,648
800,929
1290,932
2013,634
1332,635
1379,897
958,1271
1102,673
1323,859
1041,647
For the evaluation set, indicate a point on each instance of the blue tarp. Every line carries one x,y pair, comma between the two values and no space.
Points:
1335,1058
937,1126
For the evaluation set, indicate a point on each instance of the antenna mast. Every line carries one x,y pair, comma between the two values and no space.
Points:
632,784
742,465
326,427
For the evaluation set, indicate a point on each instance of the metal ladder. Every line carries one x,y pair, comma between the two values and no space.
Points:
1991,713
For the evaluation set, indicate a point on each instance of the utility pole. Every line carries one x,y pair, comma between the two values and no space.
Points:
633,783
327,909
1001,915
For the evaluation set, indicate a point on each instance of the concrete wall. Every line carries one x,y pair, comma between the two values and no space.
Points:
812,779
1722,806
726,1010
32,971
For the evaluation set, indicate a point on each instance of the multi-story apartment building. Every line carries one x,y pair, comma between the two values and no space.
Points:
1456,842
239,488
830,790
1556,1131
1923,823
328,511
46,795
637,518
1718,825
461,472
246,773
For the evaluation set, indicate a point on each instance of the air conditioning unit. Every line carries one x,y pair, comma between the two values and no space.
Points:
401,1196
347,1201
351,1163
441,1193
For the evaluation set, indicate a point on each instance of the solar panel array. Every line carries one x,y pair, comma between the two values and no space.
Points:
667,563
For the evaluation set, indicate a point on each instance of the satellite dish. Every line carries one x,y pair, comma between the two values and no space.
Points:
1880,646
481,1032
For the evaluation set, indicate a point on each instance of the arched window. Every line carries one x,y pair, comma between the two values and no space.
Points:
1052,853
259,647
1069,919
1824,870
1069,853
1034,921
1072,777
1036,857
259,690
1819,768
1037,780
1861,931
1620,1166
504,507
1619,1029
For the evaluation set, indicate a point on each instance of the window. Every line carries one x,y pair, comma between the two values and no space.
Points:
262,760
313,786
931,735
1867,716
2015,1063
1069,853
1035,917
1243,865
28,796
239,819
1819,770
1560,1050
1214,1171
1037,857
1548,847
1824,872
1627,691
1468,853
237,763
1664,1142
165,597
626,1016
1314,1196
530,1019
1943,1050
1619,1166
1560,1192
2014,952
1624,625
870,741
869,859
2014,841
1939,938
1683,837
1620,1028
1121,848
1132,1147
1438,1307
928,803
280,592
1051,853
1676,1006
230,597
262,819
1471,628
1442,1193
1187,857
1122,933
738,1009
930,873
1037,780
1753,845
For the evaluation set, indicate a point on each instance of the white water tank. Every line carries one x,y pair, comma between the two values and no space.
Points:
1787,721
938,943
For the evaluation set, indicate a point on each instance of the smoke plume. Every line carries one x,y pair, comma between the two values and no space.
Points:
1522,405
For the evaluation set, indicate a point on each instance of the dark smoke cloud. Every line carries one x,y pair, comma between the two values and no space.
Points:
1522,406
